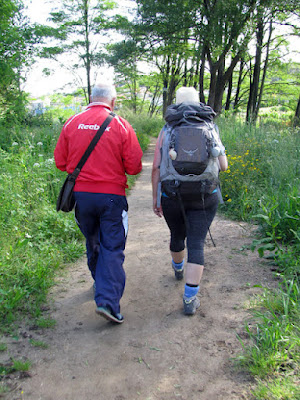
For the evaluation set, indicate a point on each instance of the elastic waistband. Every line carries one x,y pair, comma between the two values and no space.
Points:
99,187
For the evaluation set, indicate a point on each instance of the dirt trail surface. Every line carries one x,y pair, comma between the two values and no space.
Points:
158,353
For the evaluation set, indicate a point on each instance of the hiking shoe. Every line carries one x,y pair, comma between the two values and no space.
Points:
178,272
109,315
190,305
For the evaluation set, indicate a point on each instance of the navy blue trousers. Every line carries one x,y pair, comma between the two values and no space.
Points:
102,218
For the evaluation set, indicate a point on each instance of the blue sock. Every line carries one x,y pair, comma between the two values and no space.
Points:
178,266
190,291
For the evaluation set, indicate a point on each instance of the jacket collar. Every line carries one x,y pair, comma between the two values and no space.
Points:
97,104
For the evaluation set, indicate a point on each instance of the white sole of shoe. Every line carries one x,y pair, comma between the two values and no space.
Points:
107,315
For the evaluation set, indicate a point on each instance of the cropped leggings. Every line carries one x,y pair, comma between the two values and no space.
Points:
199,214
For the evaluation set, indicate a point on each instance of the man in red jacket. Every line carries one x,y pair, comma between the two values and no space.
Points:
101,206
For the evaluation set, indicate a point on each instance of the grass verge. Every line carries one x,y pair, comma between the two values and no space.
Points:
261,186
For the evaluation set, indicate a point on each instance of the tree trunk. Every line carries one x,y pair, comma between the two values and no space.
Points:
220,82
134,95
254,86
212,86
219,78
297,114
154,100
185,80
174,78
197,73
220,88
87,48
191,78
229,91
237,95
201,77
171,90
166,84
219,93
264,72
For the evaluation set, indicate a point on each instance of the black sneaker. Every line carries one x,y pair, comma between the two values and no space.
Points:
178,272
190,305
109,315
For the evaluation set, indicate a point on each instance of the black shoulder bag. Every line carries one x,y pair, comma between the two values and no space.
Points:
65,201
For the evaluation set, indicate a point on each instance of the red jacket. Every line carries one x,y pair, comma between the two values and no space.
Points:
117,152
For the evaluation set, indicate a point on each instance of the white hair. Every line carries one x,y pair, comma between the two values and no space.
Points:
103,92
187,94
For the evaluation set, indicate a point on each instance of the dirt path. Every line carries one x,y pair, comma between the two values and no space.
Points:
158,353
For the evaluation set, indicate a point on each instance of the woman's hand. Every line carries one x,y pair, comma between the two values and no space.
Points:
155,177
157,210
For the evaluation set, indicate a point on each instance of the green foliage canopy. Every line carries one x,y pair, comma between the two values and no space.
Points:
16,40
78,25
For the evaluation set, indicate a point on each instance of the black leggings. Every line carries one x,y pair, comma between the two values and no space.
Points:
199,214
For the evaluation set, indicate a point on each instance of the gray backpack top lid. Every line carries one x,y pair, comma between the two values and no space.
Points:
189,112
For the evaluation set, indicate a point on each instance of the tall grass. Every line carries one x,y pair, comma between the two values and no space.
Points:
143,124
265,161
35,240
262,183
262,186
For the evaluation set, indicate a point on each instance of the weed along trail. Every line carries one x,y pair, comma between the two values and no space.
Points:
158,353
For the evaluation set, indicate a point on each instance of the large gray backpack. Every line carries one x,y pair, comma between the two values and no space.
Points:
190,150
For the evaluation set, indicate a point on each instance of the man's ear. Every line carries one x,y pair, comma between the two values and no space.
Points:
113,104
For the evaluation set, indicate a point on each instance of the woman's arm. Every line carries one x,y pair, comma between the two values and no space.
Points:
223,162
156,177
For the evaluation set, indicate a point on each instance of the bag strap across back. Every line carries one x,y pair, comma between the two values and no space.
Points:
92,145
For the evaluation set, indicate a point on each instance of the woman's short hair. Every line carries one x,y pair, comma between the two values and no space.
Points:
103,92
187,94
